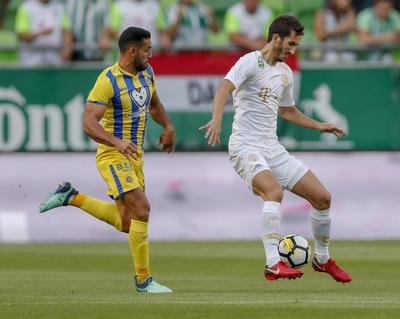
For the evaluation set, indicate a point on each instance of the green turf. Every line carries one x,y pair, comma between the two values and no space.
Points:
210,280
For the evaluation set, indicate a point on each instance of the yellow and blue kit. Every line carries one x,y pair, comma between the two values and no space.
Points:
127,99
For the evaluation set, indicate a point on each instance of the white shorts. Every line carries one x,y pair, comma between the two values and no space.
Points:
248,161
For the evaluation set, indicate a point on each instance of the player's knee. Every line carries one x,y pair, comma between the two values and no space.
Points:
139,210
126,224
275,195
324,201
135,209
142,211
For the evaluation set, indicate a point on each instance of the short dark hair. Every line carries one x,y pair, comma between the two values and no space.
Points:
132,36
284,25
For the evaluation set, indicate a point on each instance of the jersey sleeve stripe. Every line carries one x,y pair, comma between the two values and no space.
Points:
117,110
97,102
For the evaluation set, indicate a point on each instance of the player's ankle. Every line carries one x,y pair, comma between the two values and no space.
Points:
142,278
322,259
273,261
77,200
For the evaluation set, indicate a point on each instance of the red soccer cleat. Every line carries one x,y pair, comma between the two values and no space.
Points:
281,270
330,267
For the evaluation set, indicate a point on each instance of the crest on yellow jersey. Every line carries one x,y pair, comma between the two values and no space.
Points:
140,96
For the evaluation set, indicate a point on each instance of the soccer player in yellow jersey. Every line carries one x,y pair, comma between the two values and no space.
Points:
122,98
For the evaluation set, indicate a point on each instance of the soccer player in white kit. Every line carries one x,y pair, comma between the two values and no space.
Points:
262,87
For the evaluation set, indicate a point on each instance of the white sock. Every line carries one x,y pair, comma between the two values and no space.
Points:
321,227
271,220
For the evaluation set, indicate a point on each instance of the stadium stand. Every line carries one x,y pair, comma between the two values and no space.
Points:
219,41
305,11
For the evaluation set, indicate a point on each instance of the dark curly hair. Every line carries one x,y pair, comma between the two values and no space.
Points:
132,36
284,25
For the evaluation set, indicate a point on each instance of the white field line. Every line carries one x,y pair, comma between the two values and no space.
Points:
242,302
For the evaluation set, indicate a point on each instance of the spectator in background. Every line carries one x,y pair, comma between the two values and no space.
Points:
379,25
333,25
8,44
360,5
3,6
43,28
188,23
7,38
246,24
88,19
8,8
146,14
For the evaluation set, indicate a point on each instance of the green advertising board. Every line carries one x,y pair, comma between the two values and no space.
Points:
365,102
41,109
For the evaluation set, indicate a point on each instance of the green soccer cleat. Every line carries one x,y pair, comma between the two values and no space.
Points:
152,287
59,197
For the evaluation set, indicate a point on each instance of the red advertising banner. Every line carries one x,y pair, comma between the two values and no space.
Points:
204,63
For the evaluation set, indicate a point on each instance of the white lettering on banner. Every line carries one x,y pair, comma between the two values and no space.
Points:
12,94
198,94
39,117
52,127
41,127
15,136
74,111
189,93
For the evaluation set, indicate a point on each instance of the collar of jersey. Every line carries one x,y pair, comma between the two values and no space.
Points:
125,72
266,63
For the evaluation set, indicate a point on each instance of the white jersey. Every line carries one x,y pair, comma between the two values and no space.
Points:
260,90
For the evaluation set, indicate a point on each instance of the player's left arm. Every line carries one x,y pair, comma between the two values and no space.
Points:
67,51
159,114
68,38
293,115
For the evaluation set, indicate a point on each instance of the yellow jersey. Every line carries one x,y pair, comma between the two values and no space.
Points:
127,99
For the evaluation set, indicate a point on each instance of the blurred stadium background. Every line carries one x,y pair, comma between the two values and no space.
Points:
41,144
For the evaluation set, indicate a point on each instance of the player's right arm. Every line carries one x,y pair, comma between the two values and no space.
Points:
214,126
95,108
239,73
91,117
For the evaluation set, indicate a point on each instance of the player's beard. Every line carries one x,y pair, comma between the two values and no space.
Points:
280,55
139,65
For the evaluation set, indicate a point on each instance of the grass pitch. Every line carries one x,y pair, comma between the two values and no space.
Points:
210,280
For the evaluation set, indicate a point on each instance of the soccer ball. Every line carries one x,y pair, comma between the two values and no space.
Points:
294,250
